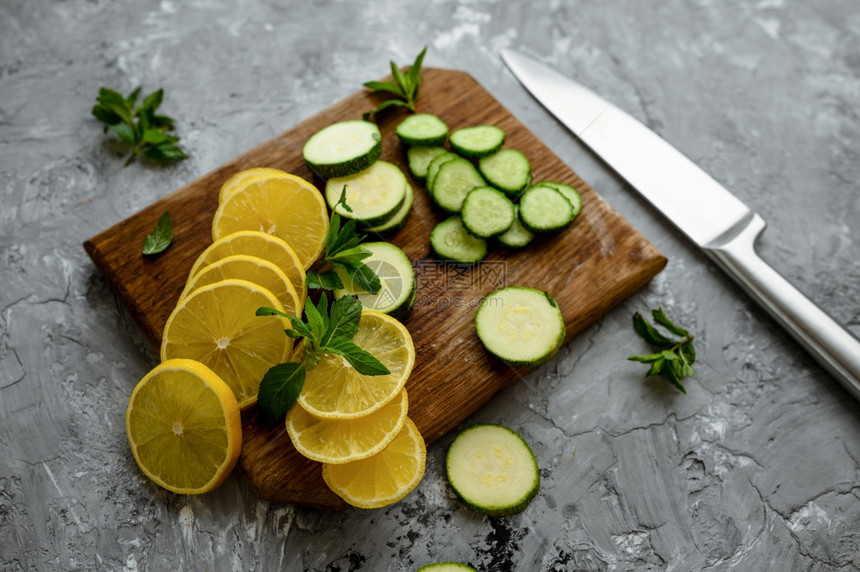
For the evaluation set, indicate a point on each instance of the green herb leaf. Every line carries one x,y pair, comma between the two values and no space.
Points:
361,274
161,236
137,125
661,318
328,280
317,318
280,388
675,358
404,88
363,362
384,86
343,320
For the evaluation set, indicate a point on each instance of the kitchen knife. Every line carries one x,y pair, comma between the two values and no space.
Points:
710,216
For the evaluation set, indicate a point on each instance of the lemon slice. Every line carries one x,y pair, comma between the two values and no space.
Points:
384,478
287,207
261,245
183,426
335,390
242,177
217,326
333,441
256,270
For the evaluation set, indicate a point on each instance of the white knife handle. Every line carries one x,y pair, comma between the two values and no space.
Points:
830,344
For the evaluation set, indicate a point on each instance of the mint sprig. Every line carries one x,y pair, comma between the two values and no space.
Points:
325,330
139,126
404,88
675,357
343,250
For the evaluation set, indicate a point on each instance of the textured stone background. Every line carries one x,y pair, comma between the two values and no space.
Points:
757,468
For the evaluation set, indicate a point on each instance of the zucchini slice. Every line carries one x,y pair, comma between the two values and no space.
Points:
453,180
435,165
517,236
487,212
396,295
375,195
478,141
493,470
508,170
569,192
419,160
450,240
343,148
544,209
396,222
520,325
422,130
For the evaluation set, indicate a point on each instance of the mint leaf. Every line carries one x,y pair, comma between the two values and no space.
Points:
647,332
317,318
661,318
384,86
343,320
363,362
280,388
161,236
361,274
328,280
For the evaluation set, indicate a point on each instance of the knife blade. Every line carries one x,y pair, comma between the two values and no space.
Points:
709,215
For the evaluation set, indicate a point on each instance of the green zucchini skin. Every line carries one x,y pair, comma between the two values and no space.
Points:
487,212
422,130
477,141
495,316
365,151
474,459
449,240
544,209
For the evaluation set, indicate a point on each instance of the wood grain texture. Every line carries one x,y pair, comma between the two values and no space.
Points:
588,268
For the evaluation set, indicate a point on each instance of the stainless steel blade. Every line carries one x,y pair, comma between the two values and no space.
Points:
713,218
697,204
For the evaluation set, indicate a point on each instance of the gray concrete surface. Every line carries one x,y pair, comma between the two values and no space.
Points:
757,468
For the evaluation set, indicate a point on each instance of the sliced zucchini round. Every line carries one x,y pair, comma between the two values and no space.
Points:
493,470
454,179
569,192
422,130
396,222
374,195
508,170
544,209
435,165
517,236
419,160
487,212
343,148
450,240
478,141
396,294
520,325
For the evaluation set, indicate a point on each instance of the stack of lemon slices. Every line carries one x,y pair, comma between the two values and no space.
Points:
357,425
183,418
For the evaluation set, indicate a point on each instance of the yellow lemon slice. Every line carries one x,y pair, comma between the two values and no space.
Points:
384,478
217,326
335,390
253,269
261,245
287,207
183,426
242,177
334,441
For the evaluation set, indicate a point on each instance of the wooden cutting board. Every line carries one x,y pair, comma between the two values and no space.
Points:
588,268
